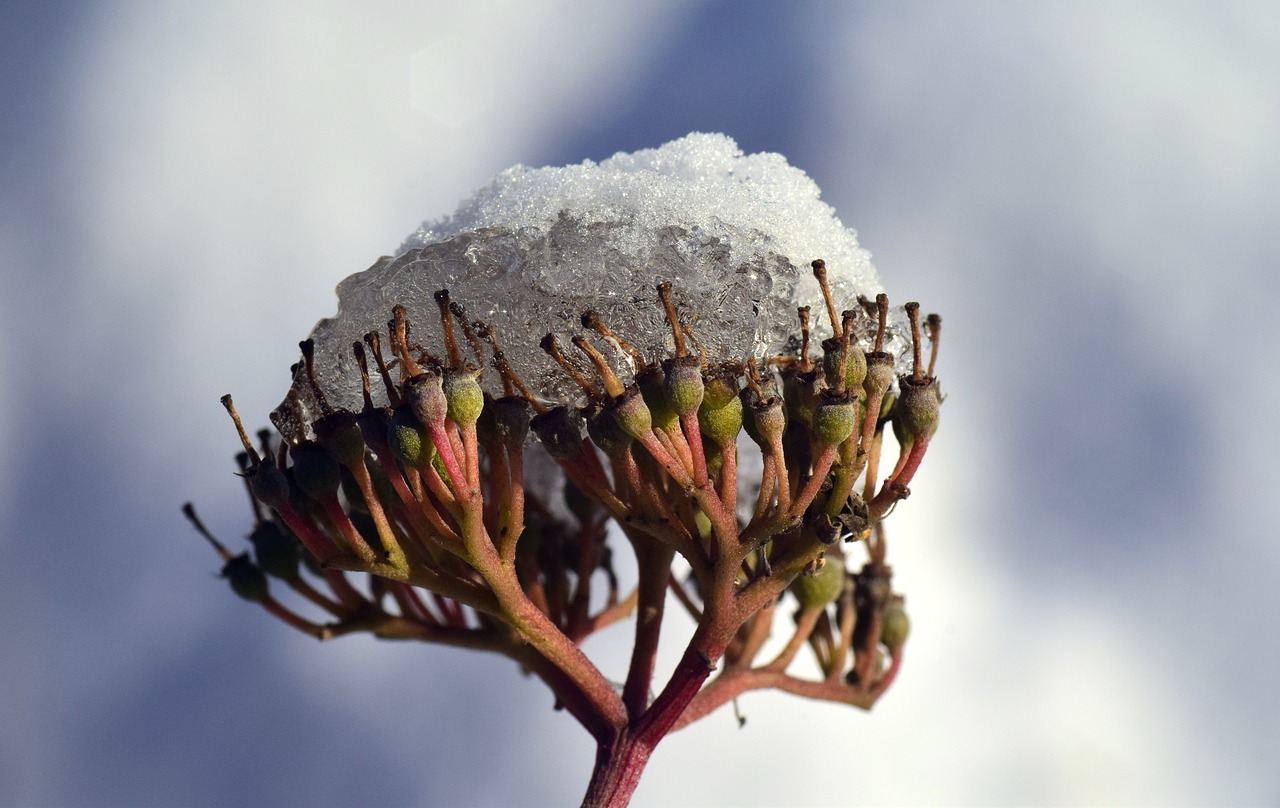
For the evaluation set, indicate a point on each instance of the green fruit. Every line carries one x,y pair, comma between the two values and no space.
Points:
894,625
820,588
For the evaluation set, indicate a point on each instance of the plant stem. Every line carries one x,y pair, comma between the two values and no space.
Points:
619,764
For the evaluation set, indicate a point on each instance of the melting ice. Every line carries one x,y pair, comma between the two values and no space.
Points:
535,248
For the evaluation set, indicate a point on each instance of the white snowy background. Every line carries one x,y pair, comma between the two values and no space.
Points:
1088,193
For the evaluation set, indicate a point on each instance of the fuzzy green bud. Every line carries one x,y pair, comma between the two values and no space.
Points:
821,587
835,418
408,441
855,364
463,394
684,387
917,410
720,414
766,420
879,374
632,413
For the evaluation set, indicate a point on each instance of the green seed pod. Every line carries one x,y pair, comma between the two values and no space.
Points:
631,413
315,471
835,418
465,398
246,579
821,587
917,411
409,442
425,394
683,385
339,433
652,386
606,432
720,414
277,553
559,430
894,625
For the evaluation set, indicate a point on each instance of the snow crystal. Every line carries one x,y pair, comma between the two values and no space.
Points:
535,248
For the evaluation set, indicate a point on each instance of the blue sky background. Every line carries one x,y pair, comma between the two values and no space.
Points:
1087,192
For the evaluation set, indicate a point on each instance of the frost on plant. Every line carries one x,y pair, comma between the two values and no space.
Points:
679,353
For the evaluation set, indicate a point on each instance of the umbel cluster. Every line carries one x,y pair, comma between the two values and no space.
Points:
415,520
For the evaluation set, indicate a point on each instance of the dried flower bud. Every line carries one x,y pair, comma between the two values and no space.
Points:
245,578
339,434
606,432
269,484
559,430
276,552
826,528
425,394
315,471
510,419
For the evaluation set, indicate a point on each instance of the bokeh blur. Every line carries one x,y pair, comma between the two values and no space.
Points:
1088,193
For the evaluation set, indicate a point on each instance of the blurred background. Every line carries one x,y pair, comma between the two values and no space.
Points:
1088,193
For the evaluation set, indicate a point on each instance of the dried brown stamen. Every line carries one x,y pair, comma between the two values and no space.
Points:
669,306
374,342
933,327
882,319
612,386
244,436
552,349
820,272
803,314
913,314
593,321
